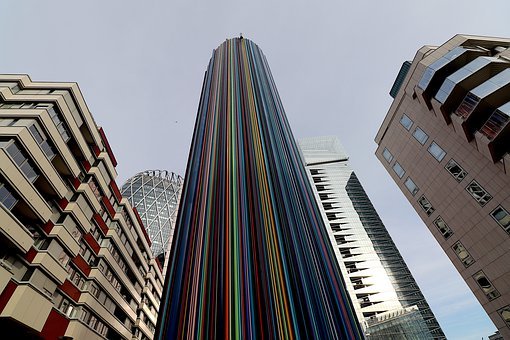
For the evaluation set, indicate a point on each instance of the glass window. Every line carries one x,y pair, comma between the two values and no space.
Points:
420,136
505,314
486,285
426,205
444,229
413,189
462,254
455,170
478,193
387,155
436,151
406,122
502,217
398,170
7,197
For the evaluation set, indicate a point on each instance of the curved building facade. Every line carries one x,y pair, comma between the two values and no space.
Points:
251,258
155,194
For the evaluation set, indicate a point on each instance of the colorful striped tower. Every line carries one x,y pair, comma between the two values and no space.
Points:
251,258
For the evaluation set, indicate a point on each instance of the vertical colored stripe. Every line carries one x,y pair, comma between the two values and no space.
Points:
250,258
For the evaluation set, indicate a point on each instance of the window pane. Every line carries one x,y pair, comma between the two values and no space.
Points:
486,286
420,136
406,122
387,155
463,254
398,170
413,189
436,151
478,193
502,217
455,170
444,229
426,205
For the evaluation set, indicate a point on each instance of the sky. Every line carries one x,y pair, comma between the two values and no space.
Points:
140,67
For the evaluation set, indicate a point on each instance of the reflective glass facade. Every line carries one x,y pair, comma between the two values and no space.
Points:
155,194
381,286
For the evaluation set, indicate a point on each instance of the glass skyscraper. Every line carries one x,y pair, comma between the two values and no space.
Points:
155,194
385,295
251,257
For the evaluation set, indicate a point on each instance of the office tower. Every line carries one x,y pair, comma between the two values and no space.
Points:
74,261
250,257
387,300
445,142
155,194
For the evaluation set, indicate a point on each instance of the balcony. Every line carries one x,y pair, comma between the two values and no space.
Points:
479,104
436,73
456,85
493,138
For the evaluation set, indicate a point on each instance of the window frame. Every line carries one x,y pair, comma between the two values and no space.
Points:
439,157
413,191
459,177
397,164
403,118
482,200
422,139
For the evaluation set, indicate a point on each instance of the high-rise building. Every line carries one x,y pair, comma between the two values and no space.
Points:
446,141
155,194
387,300
250,257
74,261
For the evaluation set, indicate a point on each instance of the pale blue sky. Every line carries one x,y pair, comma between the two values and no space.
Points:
140,67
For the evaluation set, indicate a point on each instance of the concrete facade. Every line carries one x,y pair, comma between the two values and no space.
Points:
445,142
75,260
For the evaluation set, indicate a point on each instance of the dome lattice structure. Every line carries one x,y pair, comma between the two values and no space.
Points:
155,194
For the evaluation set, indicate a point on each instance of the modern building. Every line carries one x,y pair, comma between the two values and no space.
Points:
387,300
446,141
155,194
250,257
75,262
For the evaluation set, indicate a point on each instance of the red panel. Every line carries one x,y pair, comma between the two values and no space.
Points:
108,206
82,264
55,326
92,242
48,226
143,227
71,290
115,190
86,165
96,150
159,265
101,223
62,203
30,255
108,148
6,294
76,183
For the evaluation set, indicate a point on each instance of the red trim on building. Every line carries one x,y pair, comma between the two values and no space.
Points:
86,165
76,183
159,265
48,226
62,203
6,294
101,223
30,255
108,206
91,241
96,149
70,289
115,190
141,225
82,264
55,326
107,146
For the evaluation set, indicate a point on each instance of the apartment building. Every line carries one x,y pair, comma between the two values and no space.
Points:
446,143
75,261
